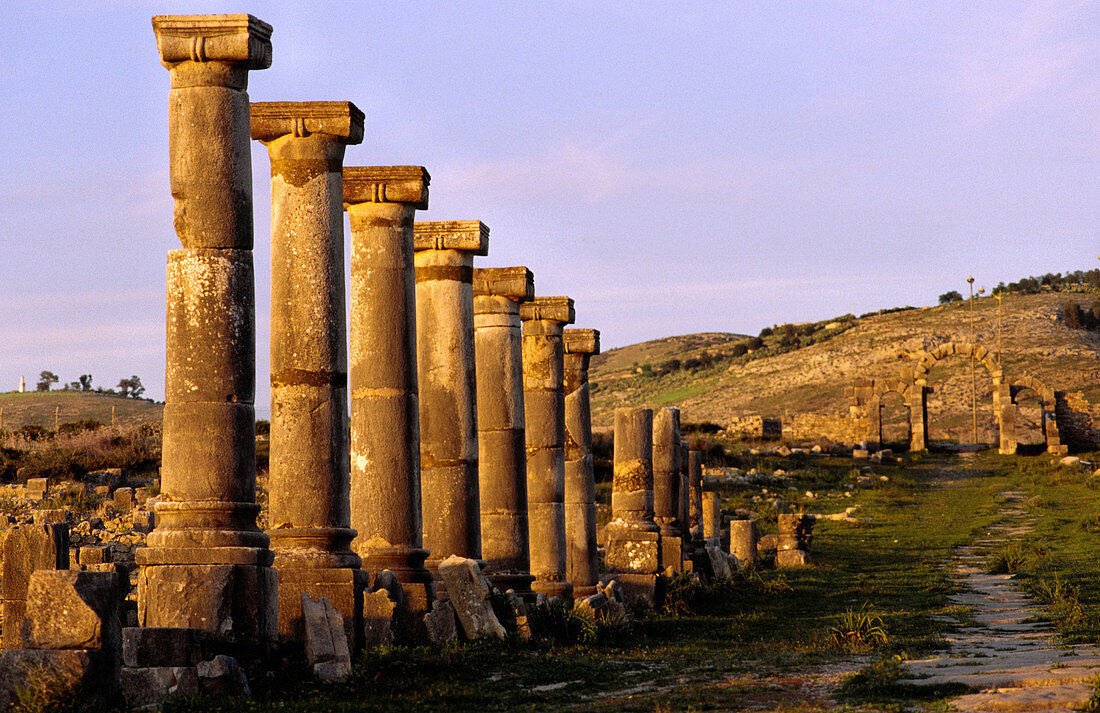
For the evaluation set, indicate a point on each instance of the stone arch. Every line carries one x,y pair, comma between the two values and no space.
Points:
1001,395
1047,407
927,359
865,406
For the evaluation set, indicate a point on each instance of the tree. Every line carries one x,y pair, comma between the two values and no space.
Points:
85,382
948,297
45,379
131,387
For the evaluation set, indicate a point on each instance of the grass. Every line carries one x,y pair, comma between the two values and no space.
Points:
39,407
720,647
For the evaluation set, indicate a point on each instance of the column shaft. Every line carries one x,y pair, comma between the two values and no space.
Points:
502,474
385,421
448,388
633,539
308,510
695,496
580,484
544,410
309,398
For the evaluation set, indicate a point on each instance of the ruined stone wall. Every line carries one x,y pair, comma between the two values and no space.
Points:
754,427
839,428
1075,423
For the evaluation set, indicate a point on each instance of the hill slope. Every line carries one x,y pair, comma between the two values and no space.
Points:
39,407
812,379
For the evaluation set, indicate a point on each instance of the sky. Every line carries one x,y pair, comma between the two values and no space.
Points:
675,168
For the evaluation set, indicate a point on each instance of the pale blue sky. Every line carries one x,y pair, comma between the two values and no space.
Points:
673,167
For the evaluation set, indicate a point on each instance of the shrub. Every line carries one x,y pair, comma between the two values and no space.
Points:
86,424
766,332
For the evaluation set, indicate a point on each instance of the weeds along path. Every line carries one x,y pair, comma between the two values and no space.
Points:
1006,651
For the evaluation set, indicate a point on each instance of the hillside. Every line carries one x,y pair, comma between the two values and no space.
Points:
38,408
812,379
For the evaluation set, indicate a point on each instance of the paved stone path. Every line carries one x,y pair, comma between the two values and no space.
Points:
1012,659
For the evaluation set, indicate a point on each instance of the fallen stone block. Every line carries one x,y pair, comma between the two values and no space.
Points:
37,488
791,558
148,688
59,676
123,499
95,554
160,647
469,592
379,618
72,610
719,563
143,520
441,622
223,676
27,548
325,639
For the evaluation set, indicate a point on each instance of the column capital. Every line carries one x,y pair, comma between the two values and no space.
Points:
465,235
581,341
232,39
550,309
514,283
273,120
386,184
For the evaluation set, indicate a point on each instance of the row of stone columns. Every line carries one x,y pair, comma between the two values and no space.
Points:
656,500
450,373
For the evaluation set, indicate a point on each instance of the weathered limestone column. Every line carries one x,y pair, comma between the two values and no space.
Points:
502,459
207,565
685,500
544,320
712,518
695,497
444,259
743,539
385,421
309,520
633,537
666,485
581,566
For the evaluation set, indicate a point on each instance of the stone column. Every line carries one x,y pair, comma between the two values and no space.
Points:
633,536
544,320
685,499
385,420
580,482
207,565
308,511
695,497
444,259
502,460
712,518
666,485
743,541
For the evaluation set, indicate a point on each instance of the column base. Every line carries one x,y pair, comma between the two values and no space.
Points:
562,590
584,590
519,582
314,548
343,587
672,553
648,589
236,603
633,550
